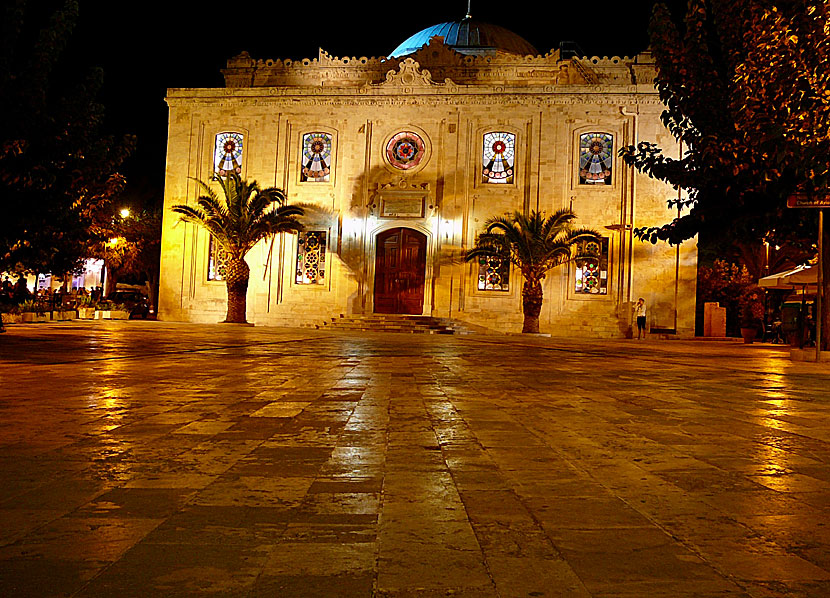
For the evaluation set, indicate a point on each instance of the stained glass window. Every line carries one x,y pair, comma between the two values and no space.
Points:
405,150
217,261
592,267
497,157
227,155
493,274
311,257
316,166
596,157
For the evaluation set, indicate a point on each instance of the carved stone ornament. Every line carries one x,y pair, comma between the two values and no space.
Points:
410,75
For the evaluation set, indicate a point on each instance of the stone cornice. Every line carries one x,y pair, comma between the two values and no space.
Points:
422,90
525,99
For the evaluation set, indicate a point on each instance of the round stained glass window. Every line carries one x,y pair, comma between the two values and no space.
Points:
405,150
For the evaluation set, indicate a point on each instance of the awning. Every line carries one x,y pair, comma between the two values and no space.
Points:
791,279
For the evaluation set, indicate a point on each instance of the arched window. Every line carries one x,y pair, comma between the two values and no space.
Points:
316,158
592,267
493,273
311,257
227,153
217,261
497,157
596,158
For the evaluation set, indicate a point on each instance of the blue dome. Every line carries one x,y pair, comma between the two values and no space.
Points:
468,36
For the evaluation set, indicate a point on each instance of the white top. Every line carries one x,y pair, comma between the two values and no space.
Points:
640,309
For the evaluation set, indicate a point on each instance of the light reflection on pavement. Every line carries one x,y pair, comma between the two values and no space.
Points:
158,459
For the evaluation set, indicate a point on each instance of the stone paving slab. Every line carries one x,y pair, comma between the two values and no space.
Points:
159,459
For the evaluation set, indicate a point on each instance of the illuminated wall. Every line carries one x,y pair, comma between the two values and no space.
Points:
374,144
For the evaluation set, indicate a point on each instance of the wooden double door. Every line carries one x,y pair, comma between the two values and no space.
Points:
400,271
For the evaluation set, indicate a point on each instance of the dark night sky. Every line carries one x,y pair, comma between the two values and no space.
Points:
146,48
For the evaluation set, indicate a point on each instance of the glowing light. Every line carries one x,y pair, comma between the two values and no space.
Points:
352,227
125,212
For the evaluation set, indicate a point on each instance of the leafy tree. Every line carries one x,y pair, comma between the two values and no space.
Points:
746,93
131,247
238,222
533,244
727,284
783,103
57,169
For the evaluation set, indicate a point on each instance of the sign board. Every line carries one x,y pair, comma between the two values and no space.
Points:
402,207
807,200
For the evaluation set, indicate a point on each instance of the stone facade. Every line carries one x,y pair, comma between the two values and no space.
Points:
450,101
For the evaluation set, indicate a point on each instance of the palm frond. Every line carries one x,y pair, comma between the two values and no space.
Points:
583,234
556,224
190,213
489,245
205,187
532,242
242,218
213,207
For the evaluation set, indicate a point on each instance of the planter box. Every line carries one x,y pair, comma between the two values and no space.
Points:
12,318
748,335
31,317
86,313
65,315
111,314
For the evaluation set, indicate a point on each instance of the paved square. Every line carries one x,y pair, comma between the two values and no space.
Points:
155,459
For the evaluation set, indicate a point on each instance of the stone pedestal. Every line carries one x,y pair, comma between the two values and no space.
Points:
714,320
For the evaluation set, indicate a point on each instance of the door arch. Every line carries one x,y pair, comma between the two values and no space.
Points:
400,271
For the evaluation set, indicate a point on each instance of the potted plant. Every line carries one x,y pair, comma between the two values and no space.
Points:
119,311
86,308
11,314
64,313
33,311
752,315
103,311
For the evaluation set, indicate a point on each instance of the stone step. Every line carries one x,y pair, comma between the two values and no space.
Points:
407,324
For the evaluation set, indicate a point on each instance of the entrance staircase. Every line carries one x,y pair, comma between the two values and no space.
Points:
395,323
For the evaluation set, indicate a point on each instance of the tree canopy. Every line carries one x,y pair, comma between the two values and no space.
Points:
58,169
747,93
745,88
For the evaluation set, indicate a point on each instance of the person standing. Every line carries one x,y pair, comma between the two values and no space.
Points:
640,312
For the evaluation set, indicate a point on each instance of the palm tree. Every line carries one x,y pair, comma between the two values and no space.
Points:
238,222
534,244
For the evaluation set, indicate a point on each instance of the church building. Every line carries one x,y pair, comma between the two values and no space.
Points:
400,160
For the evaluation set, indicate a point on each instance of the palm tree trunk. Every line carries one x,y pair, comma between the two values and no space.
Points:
531,305
237,274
